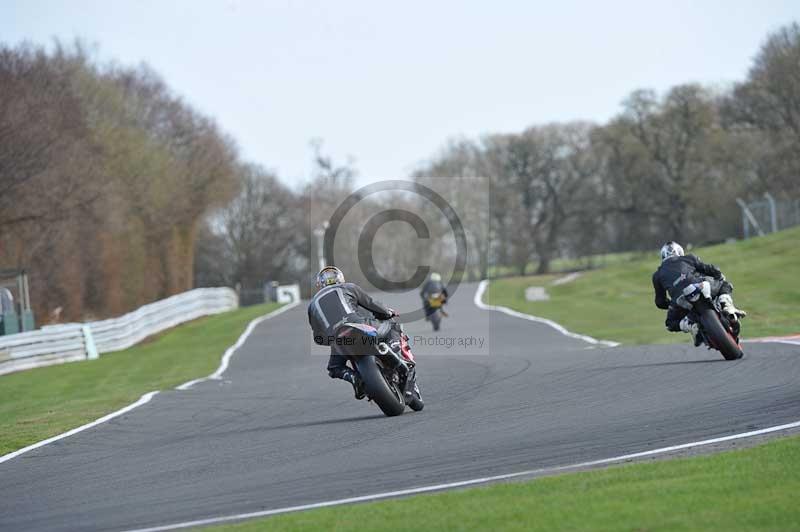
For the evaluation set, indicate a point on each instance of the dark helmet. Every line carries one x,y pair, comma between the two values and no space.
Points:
329,275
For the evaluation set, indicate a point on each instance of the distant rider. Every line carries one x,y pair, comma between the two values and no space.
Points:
677,272
337,302
432,286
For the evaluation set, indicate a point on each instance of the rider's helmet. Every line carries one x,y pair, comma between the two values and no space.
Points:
436,277
329,275
671,249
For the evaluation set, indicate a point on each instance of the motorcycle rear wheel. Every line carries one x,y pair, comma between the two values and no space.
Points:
436,320
386,395
722,339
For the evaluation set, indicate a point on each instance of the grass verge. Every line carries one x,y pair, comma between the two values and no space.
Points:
561,265
748,489
40,403
616,302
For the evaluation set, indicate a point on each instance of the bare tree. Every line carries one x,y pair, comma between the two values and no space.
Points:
768,103
460,174
259,229
104,176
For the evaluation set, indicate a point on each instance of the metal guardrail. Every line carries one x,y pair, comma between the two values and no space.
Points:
79,341
768,215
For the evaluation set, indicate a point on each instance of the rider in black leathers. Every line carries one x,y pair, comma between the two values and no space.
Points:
676,274
338,302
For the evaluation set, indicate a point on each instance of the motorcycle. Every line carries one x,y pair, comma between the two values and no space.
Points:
389,375
715,328
435,303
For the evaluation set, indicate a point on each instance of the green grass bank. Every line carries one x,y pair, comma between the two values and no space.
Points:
748,489
616,302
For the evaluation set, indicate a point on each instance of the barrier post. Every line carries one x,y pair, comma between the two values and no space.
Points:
88,340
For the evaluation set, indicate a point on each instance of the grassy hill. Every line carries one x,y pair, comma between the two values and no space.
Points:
616,302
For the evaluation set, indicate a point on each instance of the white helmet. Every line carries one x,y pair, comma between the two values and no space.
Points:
671,249
436,277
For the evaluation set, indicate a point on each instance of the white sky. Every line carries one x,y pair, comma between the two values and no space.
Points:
389,83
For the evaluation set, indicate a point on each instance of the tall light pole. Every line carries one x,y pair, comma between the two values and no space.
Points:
319,232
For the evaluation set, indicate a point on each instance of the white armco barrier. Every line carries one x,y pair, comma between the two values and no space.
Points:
289,293
55,344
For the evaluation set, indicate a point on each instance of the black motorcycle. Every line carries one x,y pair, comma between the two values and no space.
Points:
389,376
716,329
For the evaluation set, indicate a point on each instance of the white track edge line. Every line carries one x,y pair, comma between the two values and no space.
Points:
478,300
144,399
226,358
770,341
464,483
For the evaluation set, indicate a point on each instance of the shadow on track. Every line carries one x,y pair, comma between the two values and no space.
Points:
307,424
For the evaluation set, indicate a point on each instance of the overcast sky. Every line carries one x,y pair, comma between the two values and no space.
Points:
388,83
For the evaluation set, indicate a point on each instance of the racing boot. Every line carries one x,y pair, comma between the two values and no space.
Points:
688,326
726,303
355,379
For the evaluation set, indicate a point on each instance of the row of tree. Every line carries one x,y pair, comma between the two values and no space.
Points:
114,192
666,167
105,179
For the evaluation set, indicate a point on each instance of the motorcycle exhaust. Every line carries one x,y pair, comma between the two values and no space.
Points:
384,349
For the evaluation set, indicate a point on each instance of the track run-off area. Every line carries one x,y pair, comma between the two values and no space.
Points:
506,397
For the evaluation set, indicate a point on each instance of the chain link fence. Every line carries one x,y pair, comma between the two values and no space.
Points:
768,215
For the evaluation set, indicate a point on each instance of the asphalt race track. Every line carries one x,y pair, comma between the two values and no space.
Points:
277,432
